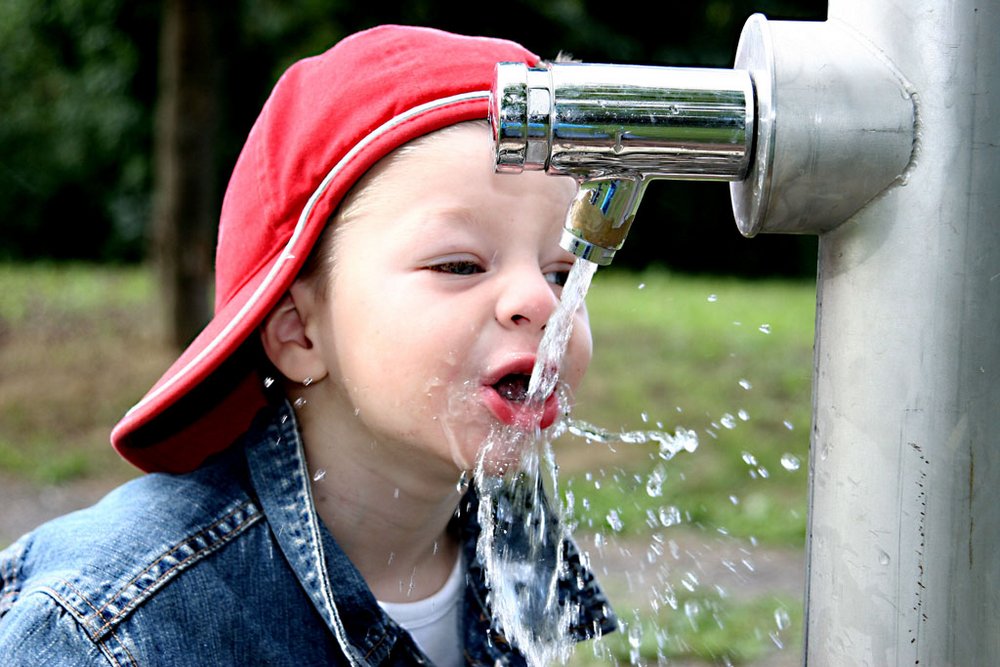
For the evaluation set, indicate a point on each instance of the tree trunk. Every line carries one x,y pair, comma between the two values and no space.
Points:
185,208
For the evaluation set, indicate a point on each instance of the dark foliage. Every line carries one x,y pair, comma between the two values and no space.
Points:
78,89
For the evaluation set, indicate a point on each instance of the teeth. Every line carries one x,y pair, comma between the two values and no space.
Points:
513,387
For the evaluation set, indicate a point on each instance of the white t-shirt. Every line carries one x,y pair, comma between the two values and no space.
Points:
433,621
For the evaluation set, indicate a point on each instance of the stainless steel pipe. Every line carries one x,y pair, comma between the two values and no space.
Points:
614,127
904,528
593,121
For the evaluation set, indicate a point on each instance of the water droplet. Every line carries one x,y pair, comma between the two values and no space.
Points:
691,610
642,285
395,494
781,619
357,411
712,298
268,381
744,415
634,635
615,521
308,381
644,416
734,500
788,425
320,474
299,402
670,516
654,485
883,558
749,458
728,421
764,328
463,482
790,462
746,384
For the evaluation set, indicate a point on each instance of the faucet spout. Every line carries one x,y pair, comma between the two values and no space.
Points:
600,216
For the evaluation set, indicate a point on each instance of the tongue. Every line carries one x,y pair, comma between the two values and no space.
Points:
513,387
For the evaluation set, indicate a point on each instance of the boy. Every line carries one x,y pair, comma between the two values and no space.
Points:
328,529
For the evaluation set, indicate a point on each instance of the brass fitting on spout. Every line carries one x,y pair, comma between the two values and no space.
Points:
614,127
600,216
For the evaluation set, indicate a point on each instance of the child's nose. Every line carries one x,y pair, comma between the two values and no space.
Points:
527,300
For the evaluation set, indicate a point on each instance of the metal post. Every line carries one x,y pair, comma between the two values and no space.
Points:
904,537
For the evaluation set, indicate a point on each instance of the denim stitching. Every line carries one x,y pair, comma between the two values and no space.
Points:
210,547
81,619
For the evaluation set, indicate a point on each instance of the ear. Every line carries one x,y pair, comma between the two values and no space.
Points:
287,340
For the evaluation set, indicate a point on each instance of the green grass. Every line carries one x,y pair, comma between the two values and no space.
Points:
78,346
712,629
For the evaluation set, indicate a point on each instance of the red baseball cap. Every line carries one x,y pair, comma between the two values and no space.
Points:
328,120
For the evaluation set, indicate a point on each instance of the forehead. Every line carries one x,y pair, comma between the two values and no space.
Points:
455,164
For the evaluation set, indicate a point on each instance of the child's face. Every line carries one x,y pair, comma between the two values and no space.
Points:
441,287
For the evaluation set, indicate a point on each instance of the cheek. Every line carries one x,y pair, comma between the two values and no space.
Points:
579,351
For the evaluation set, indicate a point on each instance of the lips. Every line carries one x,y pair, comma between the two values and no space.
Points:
505,393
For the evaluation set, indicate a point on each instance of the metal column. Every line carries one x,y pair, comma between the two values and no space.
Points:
904,535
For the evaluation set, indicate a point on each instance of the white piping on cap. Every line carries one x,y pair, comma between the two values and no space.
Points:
286,253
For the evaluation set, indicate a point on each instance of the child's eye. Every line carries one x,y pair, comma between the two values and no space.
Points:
458,267
557,278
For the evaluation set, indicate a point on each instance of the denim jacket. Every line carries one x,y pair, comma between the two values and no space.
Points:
228,565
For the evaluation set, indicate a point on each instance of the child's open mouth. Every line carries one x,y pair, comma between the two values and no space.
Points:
507,399
513,387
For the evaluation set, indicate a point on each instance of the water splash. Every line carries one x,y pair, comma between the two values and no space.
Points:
683,439
521,543
520,547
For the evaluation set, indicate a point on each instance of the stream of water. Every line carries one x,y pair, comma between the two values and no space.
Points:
526,517
522,532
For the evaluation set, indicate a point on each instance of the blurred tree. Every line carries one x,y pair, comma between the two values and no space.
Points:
186,193
73,154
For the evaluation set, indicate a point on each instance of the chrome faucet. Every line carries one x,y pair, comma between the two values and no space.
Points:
843,131
615,127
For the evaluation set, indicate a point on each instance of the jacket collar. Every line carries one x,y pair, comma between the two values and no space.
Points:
366,635
280,477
